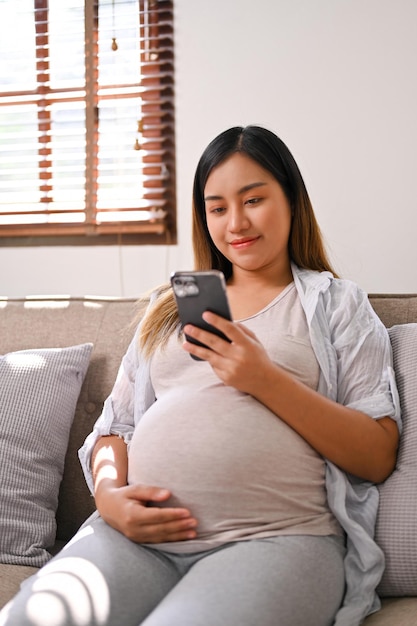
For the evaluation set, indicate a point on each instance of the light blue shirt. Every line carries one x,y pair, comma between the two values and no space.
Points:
354,353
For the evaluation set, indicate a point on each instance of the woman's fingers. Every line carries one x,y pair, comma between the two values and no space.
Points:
134,511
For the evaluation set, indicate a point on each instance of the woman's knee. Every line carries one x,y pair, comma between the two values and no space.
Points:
95,580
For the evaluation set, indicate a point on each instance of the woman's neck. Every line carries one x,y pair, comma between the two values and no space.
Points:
250,292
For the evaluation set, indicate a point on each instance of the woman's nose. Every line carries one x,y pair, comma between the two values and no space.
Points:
238,220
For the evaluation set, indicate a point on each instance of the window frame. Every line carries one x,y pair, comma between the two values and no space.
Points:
155,132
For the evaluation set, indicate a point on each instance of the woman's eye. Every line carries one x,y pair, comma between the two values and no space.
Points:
253,200
216,209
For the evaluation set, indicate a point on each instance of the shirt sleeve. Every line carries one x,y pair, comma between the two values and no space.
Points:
118,415
365,375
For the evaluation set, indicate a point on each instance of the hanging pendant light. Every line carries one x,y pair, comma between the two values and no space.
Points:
114,45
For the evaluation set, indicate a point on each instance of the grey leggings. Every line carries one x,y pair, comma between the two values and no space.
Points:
103,579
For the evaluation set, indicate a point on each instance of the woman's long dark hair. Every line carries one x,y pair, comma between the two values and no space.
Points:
305,244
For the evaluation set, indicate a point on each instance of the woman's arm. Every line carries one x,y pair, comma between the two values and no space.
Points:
354,441
125,507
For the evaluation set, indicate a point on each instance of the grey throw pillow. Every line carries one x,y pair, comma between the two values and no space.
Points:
396,529
39,390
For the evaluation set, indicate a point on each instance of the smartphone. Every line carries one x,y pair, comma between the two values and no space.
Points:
196,292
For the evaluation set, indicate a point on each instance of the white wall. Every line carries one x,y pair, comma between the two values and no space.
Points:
337,80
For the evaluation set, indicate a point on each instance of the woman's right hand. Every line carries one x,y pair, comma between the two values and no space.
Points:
127,510
133,509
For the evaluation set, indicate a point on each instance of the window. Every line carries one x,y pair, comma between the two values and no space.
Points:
87,152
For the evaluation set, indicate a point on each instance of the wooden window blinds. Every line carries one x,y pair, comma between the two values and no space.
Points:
87,142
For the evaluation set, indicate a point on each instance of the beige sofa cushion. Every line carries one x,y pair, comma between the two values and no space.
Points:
395,612
11,577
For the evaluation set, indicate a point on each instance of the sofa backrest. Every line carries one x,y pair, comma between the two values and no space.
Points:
395,308
57,322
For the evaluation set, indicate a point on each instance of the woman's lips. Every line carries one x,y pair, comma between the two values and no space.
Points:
244,242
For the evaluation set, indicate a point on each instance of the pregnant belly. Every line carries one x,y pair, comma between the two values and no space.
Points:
232,469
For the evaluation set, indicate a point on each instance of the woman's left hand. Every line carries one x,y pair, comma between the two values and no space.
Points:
240,363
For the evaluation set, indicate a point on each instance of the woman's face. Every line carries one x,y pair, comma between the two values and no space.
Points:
248,215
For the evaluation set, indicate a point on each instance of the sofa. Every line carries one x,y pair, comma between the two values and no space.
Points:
92,335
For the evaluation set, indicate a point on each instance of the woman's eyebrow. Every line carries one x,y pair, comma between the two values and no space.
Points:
241,190
251,186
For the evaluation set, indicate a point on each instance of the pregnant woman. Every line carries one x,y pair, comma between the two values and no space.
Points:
238,489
